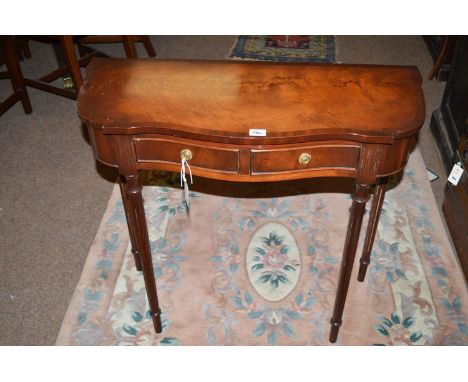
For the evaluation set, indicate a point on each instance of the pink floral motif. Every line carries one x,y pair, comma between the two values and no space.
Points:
274,258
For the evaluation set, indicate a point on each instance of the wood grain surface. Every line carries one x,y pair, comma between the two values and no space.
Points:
221,100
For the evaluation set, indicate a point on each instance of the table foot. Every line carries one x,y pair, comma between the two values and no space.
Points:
362,269
335,327
157,321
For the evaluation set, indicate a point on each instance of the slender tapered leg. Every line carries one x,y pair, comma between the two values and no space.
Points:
377,203
130,223
360,197
137,216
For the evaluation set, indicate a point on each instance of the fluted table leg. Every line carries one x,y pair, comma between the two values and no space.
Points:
137,216
130,224
377,203
360,197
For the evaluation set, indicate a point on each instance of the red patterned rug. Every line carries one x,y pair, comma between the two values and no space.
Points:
319,49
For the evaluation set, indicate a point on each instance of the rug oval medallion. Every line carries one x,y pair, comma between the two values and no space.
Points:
273,261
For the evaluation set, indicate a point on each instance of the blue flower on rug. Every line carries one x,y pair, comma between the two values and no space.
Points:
273,322
166,261
398,330
173,201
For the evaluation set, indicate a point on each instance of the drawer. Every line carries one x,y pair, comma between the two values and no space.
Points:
167,151
317,156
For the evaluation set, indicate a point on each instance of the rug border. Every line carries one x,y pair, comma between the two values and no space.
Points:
453,257
63,337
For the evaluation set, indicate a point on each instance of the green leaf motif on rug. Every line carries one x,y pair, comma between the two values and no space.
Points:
129,330
398,330
169,341
93,296
137,316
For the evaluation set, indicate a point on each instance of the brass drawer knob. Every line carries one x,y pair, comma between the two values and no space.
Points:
304,158
186,154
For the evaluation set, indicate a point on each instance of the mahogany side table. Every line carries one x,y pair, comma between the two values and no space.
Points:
253,122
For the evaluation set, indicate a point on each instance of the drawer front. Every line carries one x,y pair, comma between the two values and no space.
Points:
318,156
162,150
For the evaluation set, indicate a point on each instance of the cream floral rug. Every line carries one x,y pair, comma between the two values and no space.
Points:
258,265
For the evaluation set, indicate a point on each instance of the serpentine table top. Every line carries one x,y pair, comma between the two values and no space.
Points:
252,122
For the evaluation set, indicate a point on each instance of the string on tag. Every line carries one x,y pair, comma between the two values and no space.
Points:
183,180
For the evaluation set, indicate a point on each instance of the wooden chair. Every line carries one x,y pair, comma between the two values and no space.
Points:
22,47
9,57
128,42
72,63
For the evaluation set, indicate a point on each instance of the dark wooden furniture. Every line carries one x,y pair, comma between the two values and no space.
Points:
353,121
449,121
128,41
441,49
70,63
455,208
449,125
22,47
70,67
9,57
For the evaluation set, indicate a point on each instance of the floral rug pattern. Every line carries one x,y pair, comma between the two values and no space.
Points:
273,262
261,270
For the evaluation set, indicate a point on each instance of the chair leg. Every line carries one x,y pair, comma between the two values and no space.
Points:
72,61
377,203
16,76
26,50
129,46
23,43
148,46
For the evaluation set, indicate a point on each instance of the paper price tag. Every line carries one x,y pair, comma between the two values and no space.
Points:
257,132
455,174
